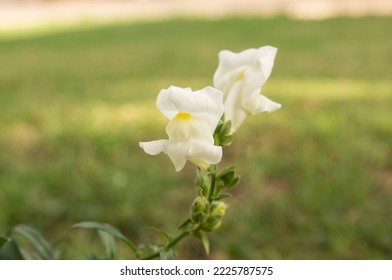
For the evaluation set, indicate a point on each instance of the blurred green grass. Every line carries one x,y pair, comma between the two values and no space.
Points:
316,175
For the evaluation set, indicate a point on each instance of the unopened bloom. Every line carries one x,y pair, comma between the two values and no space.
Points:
193,117
240,76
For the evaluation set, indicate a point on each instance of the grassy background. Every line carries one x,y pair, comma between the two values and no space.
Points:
316,175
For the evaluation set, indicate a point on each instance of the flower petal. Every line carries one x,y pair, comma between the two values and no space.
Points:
259,103
232,65
212,109
265,58
166,100
205,103
153,147
192,128
178,153
205,151
241,76
234,109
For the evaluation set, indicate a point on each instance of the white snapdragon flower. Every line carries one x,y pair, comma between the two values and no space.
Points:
240,76
193,118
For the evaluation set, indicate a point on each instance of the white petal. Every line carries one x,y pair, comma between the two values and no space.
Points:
228,61
191,129
153,147
178,153
211,110
206,152
201,153
259,103
234,109
205,103
266,57
166,100
255,77
231,65
234,65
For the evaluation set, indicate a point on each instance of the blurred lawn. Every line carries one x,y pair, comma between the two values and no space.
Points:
316,175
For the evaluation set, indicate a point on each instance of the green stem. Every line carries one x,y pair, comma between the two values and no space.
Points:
213,183
169,245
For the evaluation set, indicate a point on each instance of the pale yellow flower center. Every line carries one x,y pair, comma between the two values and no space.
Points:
182,116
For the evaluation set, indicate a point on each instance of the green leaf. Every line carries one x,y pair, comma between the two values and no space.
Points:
228,170
233,182
9,250
109,229
203,239
227,178
109,242
44,250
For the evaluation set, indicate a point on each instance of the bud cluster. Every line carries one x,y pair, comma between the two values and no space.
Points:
208,216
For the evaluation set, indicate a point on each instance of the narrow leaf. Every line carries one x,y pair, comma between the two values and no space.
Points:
203,239
109,229
109,242
9,250
44,250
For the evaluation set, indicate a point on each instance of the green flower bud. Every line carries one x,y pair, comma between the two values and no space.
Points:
217,211
222,134
202,180
200,209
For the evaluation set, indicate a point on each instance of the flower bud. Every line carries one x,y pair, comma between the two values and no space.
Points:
217,211
200,209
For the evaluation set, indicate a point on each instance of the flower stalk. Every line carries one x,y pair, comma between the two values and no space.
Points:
200,124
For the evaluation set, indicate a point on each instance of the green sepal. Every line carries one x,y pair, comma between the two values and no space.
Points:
222,196
44,250
214,220
188,225
222,134
219,127
203,239
9,250
200,209
202,180
226,140
109,229
226,129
